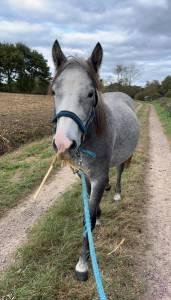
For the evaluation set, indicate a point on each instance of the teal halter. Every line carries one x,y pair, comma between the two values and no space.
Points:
69,114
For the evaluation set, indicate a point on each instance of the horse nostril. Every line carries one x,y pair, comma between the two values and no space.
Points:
73,146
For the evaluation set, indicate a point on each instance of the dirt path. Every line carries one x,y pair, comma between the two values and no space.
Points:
158,273
14,226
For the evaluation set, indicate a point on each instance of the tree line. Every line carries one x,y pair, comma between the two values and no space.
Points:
125,77
155,89
23,70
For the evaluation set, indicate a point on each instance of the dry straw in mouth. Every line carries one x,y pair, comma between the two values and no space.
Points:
64,162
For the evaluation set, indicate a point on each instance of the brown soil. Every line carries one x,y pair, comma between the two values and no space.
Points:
23,118
158,256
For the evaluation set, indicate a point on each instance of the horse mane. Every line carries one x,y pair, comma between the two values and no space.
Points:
100,118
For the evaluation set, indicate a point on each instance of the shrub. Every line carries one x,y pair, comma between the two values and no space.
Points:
168,94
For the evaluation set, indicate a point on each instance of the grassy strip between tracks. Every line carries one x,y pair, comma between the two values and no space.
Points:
165,117
44,267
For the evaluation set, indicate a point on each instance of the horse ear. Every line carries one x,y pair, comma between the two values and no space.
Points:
96,57
58,56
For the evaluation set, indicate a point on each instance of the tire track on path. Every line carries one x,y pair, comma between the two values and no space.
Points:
15,224
158,256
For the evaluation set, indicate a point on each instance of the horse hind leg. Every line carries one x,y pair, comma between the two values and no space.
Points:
119,170
108,186
98,215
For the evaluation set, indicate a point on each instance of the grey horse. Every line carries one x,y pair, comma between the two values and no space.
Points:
105,124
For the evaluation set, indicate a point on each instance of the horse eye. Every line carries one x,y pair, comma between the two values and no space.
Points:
90,94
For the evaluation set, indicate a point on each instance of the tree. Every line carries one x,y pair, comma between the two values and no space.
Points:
119,71
151,91
166,85
23,69
126,74
132,73
9,58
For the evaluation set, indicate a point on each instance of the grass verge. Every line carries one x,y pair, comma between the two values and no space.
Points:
44,267
165,118
22,170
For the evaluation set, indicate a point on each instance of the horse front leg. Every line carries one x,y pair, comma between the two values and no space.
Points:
97,189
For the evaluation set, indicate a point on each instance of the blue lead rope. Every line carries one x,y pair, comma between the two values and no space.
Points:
96,270
88,152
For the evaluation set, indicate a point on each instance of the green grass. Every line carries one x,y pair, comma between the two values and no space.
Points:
165,118
44,268
22,170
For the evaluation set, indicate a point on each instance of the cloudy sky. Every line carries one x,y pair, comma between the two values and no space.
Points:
130,31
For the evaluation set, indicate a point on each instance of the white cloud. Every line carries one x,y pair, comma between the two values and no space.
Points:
46,51
130,32
74,51
103,36
8,28
29,5
161,3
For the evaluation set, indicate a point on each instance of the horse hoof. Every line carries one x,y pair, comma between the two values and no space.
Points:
98,222
81,270
108,187
117,197
81,276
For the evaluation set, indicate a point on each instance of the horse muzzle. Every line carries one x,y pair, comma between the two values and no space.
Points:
63,145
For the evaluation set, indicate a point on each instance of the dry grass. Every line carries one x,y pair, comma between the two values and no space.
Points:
23,118
45,266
